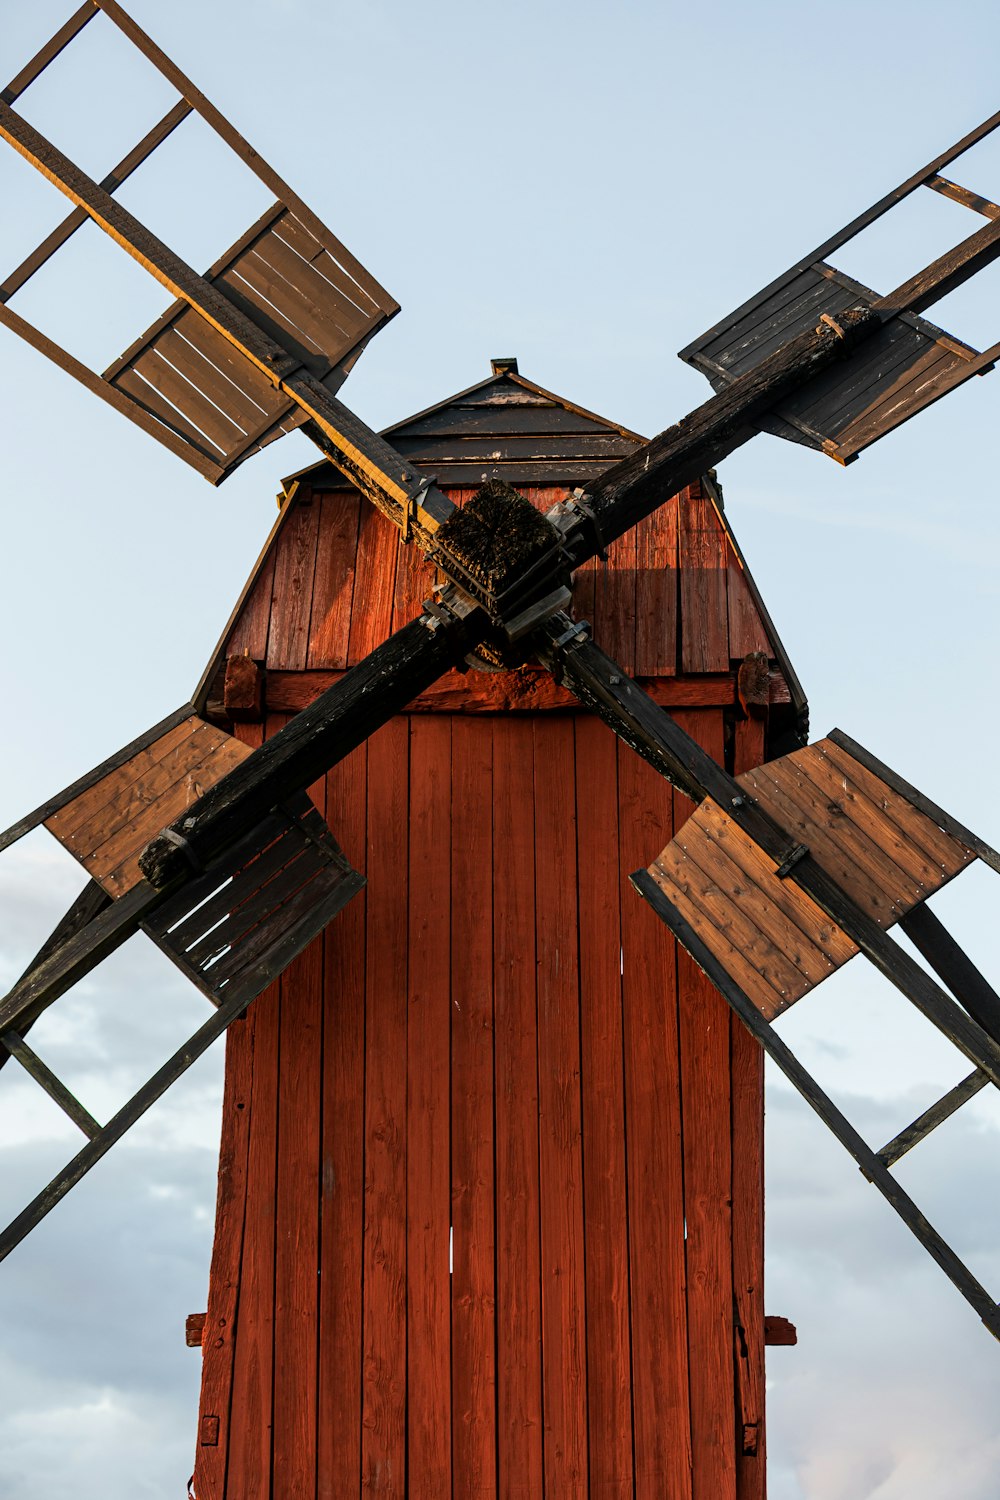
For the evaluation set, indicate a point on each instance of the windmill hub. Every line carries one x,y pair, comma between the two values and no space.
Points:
497,536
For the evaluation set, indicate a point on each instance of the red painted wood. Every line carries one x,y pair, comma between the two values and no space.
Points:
564,1335
615,602
292,589
374,584
342,1210
333,584
609,1355
249,633
219,1332
705,1084
519,1418
656,1201
383,1435
746,629
747,1064
656,593
428,1178
297,1207
704,608
473,1281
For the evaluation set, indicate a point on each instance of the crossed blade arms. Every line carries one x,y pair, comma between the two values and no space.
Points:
777,879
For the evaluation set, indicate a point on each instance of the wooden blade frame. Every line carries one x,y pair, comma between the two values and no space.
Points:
200,388
907,366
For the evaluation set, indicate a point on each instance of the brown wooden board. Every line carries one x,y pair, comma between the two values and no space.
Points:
342,1202
706,1090
292,596
519,1374
661,1369
383,1422
563,1285
702,562
428,1124
473,1303
657,592
333,580
606,1224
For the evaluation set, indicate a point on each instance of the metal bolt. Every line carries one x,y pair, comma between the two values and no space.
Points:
737,801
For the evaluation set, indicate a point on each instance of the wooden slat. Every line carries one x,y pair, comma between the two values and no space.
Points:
746,629
747,1107
519,1393
325,254
333,581
494,448
248,636
941,849
335,321
291,604
563,1286
342,1206
871,829
216,385
615,603
606,1225
297,1264
781,803
224,357
51,50
704,627
428,1177
383,1430
374,584
149,400
473,1306
706,1090
98,790
218,1342
250,287
656,593
660,1363
316,323
965,196
491,421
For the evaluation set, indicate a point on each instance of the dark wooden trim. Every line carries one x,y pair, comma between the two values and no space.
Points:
316,739
43,1075
965,196
953,967
74,220
33,69
46,809
924,804
931,1118
944,274
868,1160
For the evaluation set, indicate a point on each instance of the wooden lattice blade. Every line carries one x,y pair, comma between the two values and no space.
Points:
884,853
906,366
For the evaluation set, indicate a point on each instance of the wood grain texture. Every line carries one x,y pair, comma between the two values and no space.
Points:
706,1085
383,1439
656,1190
609,1350
746,629
333,581
563,1286
473,1308
249,631
704,621
428,1115
374,584
519,1376
747,1107
656,592
292,588
342,1201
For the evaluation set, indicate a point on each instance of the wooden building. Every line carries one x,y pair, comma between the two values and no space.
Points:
490,1214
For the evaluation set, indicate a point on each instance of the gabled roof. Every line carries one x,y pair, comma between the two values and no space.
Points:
505,427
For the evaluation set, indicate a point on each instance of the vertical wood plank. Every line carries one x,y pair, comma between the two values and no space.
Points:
564,1334
219,1337
383,1442
249,633
656,592
473,1280
296,1261
615,602
746,629
519,1419
333,584
705,1085
660,1365
428,1193
374,583
343,1147
414,580
748,1209
291,603
704,618
609,1355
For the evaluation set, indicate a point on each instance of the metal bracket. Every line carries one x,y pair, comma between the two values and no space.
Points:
791,859
413,504
577,513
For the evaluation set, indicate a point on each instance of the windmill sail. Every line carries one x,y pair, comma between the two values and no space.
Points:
908,364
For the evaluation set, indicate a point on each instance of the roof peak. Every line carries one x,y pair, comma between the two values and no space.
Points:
506,366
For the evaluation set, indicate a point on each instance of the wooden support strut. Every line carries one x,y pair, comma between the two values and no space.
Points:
604,686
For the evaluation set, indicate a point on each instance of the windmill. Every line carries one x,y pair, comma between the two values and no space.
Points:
226,371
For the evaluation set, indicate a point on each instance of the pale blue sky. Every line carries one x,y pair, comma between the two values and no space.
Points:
586,187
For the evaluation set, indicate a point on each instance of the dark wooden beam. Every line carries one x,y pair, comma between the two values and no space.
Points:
335,724
953,967
931,1118
631,490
